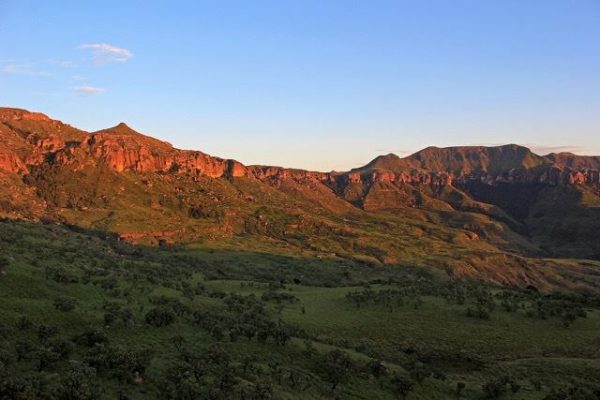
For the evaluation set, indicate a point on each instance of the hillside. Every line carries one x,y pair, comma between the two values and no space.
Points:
502,214
87,317
130,269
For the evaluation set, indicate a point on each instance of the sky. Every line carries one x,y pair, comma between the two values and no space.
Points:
321,85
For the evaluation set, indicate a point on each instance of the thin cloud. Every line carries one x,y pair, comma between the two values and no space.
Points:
88,90
22,69
541,149
387,151
106,53
63,63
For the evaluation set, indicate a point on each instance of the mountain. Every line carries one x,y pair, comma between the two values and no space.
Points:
503,214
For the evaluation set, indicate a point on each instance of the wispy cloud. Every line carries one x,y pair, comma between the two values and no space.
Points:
106,53
388,151
88,90
62,63
542,149
22,69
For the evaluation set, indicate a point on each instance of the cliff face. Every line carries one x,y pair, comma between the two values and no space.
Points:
491,165
33,138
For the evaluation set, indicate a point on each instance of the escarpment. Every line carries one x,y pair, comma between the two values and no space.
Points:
480,200
33,138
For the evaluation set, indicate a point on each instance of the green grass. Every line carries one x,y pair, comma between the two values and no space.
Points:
437,333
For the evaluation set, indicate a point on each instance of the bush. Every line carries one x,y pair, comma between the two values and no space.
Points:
402,385
4,263
79,383
495,387
336,367
160,316
65,304
91,337
61,275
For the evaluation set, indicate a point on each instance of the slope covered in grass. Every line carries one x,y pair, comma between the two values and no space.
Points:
84,316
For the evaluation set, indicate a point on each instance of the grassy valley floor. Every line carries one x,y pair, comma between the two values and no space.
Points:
84,316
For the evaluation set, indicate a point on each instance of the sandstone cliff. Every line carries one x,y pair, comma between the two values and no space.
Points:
33,138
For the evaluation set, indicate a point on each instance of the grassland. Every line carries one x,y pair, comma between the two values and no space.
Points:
85,316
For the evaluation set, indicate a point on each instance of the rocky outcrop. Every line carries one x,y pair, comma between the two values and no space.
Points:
11,162
550,174
33,139
122,149
17,114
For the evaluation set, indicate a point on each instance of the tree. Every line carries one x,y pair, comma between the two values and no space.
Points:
419,371
495,387
336,367
79,383
160,316
45,332
376,368
262,391
281,335
402,385
91,337
178,342
65,304
24,323
572,392
4,263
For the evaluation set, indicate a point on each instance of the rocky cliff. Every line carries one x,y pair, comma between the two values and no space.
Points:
33,138
440,206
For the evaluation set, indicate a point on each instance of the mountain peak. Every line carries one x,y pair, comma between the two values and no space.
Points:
459,160
120,129
389,161
128,137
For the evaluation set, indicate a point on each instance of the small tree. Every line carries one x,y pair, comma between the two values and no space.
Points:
4,263
178,342
65,304
79,383
160,316
45,332
376,368
24,323
495,387
91,337
402,385
336,368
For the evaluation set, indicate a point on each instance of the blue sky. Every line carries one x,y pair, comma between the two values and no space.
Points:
312,84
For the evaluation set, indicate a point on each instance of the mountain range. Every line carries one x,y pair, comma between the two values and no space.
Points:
502,214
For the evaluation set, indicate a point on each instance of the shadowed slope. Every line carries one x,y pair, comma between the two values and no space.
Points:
451,208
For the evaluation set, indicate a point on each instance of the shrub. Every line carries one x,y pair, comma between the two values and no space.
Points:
91,337
4,263
402,385
336,367
160,316
65,304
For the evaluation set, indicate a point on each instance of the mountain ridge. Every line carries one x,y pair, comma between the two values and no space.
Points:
424,156
478,211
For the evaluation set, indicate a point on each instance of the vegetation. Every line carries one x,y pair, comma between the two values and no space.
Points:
85,316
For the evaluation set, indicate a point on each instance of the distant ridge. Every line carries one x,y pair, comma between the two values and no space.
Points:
487,212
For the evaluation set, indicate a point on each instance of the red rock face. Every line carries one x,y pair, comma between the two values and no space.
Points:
10,162
16,114
122,149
